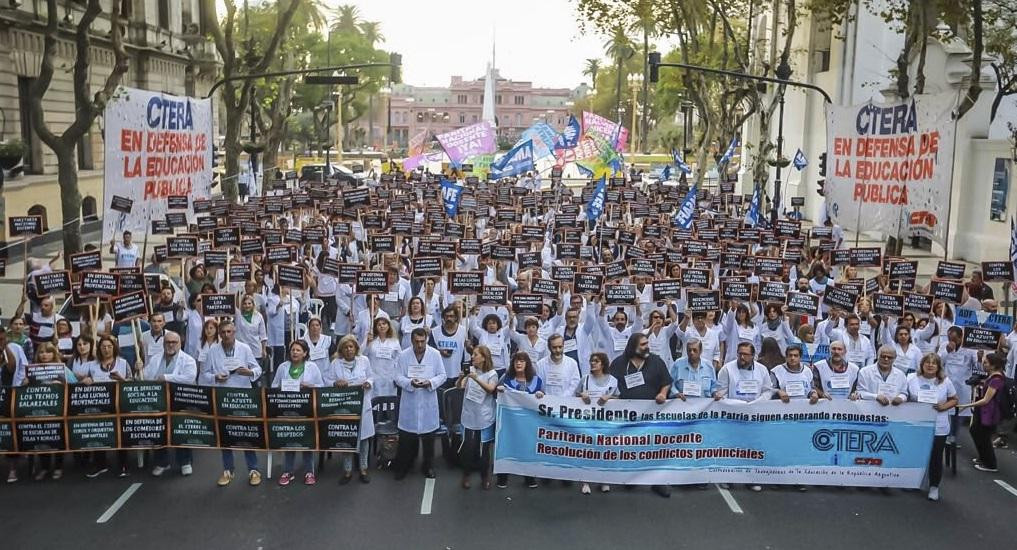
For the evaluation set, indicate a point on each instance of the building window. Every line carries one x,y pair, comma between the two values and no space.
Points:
519,119
186,17
462,98
519,100
39,210
1000,190
497,99
164,15
822,41
88,209
462,118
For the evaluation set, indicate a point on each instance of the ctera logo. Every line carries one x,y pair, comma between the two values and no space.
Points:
854,441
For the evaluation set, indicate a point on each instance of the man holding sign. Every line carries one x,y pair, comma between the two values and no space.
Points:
126,254
175,366
420,371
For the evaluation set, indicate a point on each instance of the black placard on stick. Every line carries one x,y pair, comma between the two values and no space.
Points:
703,300
950,270
225,236
948,291
996,272
181,247
218,305
187,398
736,290
981,338
867,257
177,202
887,304
773,291
96,283
527,304
840,298
426,267
176,219
619,295
546,287
493,295
802,303
129,306
161,227
121,204
290,276
288,404
54,282
666,289
695,278
563,273
466,282
907,269
215,258
19,226
840,256
86,261
45,373
588,283
91,399
920,304
371,282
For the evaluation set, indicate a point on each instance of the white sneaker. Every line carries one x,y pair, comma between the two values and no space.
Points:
186,470
756,488
586,488
934,493
605,488
159,470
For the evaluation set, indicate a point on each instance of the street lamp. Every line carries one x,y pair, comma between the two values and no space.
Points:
783,73
386,92
635,82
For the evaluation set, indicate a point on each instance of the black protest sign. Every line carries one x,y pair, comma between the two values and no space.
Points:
703,300
290,276
469,246
131,282
920,304
666,289
564,273
466,282
207,223
36,401
950,270
888,304
356,197
215,258
736,290
238,402
161,227
840,256
181,247
129,306
330,266
141,397
588,283
192,431
177,202
339,401
900,270
546,287
619,295
251,247
527,260
218,305
802,303
348,273
501,252
787,228
241,434
948,291
185,398
696,249
695,278
854,286
616,270
840,298
642,267
315,234
981,338
493,295
225,236
18,226
426,267
338,434
371,282
995,272
280,253
382,243
45,373
527,304
86,261
91,399
43,435
91,434
867,257
54,282
176,219
293,236
121,204
797,202
769,266
288,404
291,434
96,283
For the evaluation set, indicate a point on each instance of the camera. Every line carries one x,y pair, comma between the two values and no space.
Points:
976,378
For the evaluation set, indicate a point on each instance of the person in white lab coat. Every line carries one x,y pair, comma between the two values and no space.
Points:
419,372
744,379
176,367
599,385
351,369
559,372
321,346
382,350
480,385
298,374
231,364
251,329
882,382
930,385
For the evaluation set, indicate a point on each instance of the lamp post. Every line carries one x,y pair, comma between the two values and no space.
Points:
635,82
783,73
386,92
686,107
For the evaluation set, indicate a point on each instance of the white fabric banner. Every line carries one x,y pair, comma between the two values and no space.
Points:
889,166
157,145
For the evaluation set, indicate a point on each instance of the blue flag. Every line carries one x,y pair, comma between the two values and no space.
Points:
665,174
752,215
515,162
800,161
730,151
596,205
586,172
679,162
451,192
569,137
687,211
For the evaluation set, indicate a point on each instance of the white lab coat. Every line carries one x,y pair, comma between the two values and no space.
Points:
418,407
217,362
310,377
319,351
869,379
182,369
252,333
383,355
355,373
560,379
99,376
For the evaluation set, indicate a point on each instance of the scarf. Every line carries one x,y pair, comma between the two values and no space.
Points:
296,371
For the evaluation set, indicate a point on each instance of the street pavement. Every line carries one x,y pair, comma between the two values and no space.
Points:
175,512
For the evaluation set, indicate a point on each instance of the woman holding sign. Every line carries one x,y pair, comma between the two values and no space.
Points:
416,316
298,374
107,367
477,416
523,378
382,350
931,386
351,369
321,346
47,352
599,385
251,329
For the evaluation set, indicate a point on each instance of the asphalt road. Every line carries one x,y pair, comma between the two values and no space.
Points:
173,512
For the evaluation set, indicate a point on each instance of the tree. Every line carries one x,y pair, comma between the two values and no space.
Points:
619,48
87,107
1000,22
591,70
236,95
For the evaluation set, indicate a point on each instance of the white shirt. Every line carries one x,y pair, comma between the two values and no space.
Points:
744,384
181,369
217,361
478,403
561,379
355,373
252,333
126,256
418,407
798,385
843,381
870,380
311,376
383,355
98,375
944,390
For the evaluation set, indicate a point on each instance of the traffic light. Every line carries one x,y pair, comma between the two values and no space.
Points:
822,164
821,191
396,60
654,61
215,156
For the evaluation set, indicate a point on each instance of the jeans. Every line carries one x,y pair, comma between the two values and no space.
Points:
362,451
936,460
162,457
407,453
306,460
982,436
249,457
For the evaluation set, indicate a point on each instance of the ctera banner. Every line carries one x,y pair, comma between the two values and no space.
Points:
157,145
891,165
147,415
855,443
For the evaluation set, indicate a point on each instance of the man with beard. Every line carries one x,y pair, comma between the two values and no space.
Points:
642,375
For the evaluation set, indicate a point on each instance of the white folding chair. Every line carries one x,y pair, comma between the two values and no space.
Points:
301,330
314,307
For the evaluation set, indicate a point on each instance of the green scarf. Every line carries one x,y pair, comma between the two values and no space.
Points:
248,316
296,371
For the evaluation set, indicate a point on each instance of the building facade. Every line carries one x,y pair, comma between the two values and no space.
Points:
409,109
167,52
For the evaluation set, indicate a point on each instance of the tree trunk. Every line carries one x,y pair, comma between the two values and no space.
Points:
231,144
618,89
70,199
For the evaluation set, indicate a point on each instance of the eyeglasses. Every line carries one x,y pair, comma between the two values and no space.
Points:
174,342
887,356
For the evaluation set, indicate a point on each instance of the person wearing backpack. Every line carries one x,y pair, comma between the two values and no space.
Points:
988,410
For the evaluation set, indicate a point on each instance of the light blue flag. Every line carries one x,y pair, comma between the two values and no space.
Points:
800,161
515,162
752,216
687,211
586,172
596,205
543,136
665,174
569,137
679,162
451,192
730,151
